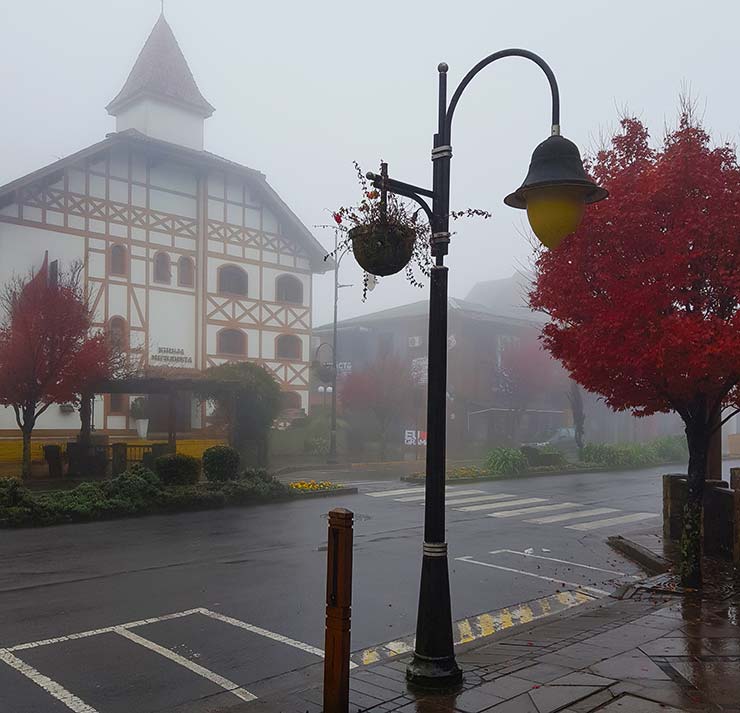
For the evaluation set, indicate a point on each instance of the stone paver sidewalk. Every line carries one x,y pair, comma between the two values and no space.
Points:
648,653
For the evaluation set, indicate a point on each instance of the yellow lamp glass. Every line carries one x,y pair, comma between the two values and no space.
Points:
554,212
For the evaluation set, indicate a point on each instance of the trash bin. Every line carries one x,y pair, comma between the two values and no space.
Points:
53,457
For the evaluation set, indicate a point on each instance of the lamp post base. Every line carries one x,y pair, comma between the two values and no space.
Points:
437,674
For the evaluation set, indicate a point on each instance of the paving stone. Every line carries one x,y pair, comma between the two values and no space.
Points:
632,704
625,637
665,692
577,656
507,687
543,672
520,704
590,703
553,698
633,664
582,678
720,679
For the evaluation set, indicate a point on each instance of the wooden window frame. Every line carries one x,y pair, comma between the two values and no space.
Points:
180,261
125,336
232,354
227,292
289,358
156,257
127,261
291,278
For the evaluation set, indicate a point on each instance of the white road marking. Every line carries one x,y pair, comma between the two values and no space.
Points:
494,506
537,508
482,499
53,688
634,517
555,559
227,685
406,491
104,630
391,493
264,632
571,516
411,498
531,574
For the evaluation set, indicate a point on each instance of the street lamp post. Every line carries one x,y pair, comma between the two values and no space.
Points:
554,194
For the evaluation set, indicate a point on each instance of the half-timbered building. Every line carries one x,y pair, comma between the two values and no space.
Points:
191,259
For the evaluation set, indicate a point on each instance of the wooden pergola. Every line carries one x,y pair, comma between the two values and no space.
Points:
168,386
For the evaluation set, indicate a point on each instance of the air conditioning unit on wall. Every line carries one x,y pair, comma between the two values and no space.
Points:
414,341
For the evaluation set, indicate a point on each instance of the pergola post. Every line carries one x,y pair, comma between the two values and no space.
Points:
171,421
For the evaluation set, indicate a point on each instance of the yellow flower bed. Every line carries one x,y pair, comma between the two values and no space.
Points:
306,486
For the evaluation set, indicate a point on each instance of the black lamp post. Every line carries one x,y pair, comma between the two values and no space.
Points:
554,194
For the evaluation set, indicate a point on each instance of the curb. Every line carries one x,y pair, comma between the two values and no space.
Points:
648,560
480,626
520,476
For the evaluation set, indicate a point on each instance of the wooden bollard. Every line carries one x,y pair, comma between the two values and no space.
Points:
338,611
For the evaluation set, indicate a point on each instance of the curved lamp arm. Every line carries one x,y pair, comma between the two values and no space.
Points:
513,52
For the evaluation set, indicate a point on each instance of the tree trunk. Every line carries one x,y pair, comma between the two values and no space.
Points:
26,468
85,420
697,436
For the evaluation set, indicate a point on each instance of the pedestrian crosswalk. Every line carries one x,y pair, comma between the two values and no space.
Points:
532,510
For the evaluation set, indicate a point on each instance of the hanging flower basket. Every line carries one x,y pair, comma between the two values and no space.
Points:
382,248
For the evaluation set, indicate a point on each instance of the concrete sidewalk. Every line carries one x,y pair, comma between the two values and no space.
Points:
650,651
650,647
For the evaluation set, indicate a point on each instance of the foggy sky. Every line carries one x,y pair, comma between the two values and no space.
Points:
301,89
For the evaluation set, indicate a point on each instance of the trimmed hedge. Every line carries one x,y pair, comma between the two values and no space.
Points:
178,469
220,464
137,491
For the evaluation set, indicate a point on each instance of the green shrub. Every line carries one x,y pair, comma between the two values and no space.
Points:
506,461
544,456
244,491
317,446
672,448
192,497
623,455
178,469
220,464
256,474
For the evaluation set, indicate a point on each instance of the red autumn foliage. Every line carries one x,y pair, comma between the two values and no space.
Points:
47,352
645,296
384,388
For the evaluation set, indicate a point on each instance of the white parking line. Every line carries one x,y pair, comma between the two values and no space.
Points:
227,685
412,498
634,517
555,559
53,688
481,499
104,630
493,506
531,574
571,516
262,632
538,508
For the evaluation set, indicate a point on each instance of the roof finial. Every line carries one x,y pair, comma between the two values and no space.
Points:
161,3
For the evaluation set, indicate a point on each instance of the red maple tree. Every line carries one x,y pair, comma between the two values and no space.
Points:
645,296
47,351
384,388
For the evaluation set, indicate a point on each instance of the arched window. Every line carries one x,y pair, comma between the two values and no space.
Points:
185,272
162,268
290,400
118,334
232,280
288,346
231,341
118,260
289,289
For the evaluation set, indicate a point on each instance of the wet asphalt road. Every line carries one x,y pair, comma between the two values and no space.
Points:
265,567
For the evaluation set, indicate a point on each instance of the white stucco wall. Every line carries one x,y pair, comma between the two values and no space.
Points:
163,121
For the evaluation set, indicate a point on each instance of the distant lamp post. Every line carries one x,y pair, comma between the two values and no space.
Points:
554,194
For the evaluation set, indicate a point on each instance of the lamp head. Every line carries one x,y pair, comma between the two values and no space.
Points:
555,191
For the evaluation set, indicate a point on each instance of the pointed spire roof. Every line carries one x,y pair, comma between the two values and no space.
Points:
161,71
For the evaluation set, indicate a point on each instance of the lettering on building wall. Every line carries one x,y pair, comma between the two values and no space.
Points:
172,356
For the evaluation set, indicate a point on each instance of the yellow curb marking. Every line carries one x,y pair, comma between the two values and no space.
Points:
478,627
